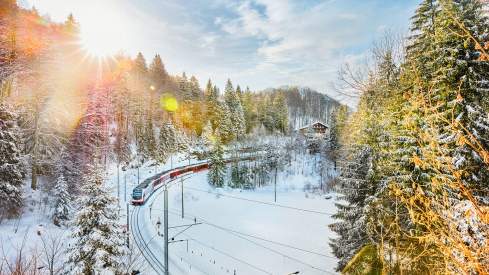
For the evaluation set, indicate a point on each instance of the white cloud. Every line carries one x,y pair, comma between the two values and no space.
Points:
260,43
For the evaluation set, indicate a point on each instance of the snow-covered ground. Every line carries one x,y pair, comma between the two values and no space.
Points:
244,231
34,228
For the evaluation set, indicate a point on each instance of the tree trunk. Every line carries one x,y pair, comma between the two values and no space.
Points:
33,177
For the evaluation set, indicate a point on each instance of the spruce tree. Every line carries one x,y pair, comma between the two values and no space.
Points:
62,205
236,114
167,141
157,73
224,123
12,166
194,87
184,87
217,167
98,241
140,66
148,140
212,104
281,114
356,183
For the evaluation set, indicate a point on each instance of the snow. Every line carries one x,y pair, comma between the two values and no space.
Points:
28,232
230,250
215,247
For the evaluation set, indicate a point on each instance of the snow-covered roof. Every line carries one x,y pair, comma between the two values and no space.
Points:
310,125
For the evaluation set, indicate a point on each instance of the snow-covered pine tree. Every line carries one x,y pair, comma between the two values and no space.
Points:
157,73
167,142
438,164
248,105
463,81
149,140
182,141
12,166
62,205
140,68
281,114
236,114
212,103
240,94
121,146
224,123
98,241
420,48
184,86
217,167
356,186
208,134
338,120
195,92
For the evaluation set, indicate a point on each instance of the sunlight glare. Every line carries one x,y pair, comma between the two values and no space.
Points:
105,34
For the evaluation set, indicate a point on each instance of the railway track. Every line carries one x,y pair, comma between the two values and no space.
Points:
142,245
138,236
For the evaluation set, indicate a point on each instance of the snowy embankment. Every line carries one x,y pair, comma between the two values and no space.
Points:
34,229
245,231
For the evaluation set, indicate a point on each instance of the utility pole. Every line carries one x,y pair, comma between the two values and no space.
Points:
275,182
118,189
165,223
127,222
183,215
125,187
138,171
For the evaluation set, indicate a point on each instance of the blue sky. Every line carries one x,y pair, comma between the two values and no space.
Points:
256,43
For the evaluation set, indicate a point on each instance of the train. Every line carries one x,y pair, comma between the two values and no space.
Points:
143,191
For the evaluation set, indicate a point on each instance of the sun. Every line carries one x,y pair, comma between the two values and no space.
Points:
104,34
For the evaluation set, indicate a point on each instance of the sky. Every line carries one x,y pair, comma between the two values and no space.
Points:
255,43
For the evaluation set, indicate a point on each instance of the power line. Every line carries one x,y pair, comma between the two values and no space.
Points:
262,202
228,255
256,237
269,249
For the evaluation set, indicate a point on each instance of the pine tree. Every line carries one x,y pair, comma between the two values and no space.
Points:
98,241
167,142
247,101
194,87
338,120
281,114
184,87
224,123
420,46
12,167
157,73
236,114
239,93
71,25
212,104
216,165
140,67
148,139
356,182
62,204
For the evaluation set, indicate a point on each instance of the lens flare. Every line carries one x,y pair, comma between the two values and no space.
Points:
168,103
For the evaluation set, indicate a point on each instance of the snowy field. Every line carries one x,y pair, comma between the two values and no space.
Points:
241,231
244,231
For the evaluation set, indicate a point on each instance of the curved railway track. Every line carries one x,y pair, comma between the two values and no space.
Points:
142,245
138,237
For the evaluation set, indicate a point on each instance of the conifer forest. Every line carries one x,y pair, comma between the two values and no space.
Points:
244,137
